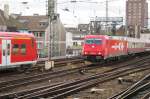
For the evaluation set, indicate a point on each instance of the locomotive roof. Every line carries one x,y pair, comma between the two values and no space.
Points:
118,38
15,34
96,36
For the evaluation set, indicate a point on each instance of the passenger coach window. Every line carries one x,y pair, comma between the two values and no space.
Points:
23,49
15,49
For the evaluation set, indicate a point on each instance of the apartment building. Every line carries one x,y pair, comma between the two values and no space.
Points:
137,13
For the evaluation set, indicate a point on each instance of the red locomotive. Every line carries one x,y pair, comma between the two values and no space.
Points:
17,50
103,46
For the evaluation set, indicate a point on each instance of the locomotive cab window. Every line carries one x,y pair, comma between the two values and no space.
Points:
23,49
15,49
93,41
98,41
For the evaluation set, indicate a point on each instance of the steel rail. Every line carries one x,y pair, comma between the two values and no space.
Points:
136,87
146,96
135,62
40,66
19,82
101,75
146,85
36,78
57,63
62,95
131,90
86,86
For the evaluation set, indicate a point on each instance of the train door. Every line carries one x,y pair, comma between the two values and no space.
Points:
6,52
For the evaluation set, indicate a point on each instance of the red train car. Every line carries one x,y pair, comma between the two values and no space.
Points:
17,50
103,46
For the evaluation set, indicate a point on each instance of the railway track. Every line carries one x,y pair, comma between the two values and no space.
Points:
146,96
58,62
63,92
63,89
9,84
5,85
40,66
133,91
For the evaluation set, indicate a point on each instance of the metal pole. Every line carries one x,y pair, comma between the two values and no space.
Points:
51,12
49,41
106,16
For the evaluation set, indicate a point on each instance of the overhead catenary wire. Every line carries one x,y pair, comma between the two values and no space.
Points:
87,1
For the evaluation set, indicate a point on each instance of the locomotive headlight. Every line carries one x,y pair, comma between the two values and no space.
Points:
99,53
85,52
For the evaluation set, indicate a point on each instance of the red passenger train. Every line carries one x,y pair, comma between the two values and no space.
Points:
104,47
17,50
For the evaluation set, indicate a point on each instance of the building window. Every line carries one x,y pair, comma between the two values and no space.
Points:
40,34
43,34
43,24
35,34
75,43
39,45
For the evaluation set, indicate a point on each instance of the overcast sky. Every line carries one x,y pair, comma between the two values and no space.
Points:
82,11
79,12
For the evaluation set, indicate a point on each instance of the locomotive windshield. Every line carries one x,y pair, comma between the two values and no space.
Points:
93,41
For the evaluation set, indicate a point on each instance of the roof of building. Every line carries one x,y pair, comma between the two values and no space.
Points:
35,22
10,22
